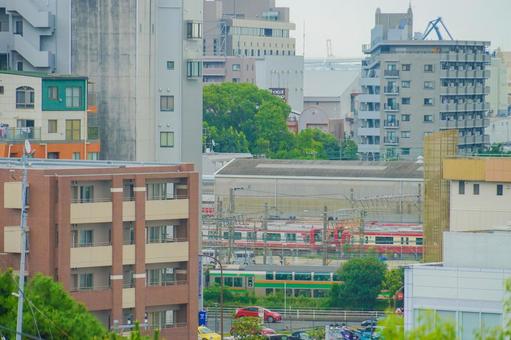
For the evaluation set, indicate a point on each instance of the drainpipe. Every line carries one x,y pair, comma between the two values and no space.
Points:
9,151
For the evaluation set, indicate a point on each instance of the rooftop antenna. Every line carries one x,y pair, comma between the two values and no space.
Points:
21,295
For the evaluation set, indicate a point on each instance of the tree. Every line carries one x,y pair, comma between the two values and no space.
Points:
247,328
49,311
361,283
349,150
393,281
431,328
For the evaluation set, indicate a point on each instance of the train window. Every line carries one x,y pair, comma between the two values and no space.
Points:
251,236
272,237
303,276
303,292
402,240
320,292
228,281
321,276
383,240
291,237
283,276
317,236
269,291
236,235
269,276
237,282
337,278
217,281
418,241
367,239
407,240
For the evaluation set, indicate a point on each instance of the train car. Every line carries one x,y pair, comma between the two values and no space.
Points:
310,281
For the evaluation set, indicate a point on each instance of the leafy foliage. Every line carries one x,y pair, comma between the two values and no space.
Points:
247,328
362,281
243,118
48,306
431,328
349,149
317,333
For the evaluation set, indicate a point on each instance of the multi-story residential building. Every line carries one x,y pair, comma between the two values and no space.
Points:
49,110
220,69
121,237
412,87
497,98
142,56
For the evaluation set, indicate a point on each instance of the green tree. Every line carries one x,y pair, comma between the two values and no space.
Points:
431,328
49,310
349,149
393,280
362,281
247,328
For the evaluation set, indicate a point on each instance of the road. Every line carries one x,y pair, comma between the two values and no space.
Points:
291,325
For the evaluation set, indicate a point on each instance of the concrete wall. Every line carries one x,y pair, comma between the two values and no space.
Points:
498,85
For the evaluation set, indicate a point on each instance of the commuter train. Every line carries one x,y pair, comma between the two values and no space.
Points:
382,238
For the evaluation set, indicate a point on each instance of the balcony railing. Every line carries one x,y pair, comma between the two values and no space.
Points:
166,283
90,288
90,244
391,123
391,90
167,240
91,200
19,134
391,140
391,73
391,107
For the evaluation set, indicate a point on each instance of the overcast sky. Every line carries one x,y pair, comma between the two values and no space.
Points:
348,23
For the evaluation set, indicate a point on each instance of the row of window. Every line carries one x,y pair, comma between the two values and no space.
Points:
260,32
258,52
408,67
25,96
476,188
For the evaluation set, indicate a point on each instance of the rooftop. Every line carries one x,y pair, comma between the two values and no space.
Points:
287,269
425,43
43,75
326,169
39,163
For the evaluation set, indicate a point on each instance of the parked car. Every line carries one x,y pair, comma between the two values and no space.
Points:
256,312
301,335
207,334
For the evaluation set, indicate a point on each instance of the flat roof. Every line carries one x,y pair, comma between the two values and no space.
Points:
43,75
322,169
39,163
426,43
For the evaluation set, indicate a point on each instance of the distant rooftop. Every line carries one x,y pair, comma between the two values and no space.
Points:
425,43
42,75
39,163
308,168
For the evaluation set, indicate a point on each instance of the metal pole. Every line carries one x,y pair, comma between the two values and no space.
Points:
221,294
265,236
19,320
325,226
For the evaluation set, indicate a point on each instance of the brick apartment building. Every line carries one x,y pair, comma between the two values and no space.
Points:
122,237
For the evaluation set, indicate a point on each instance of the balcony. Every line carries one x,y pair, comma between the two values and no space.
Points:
464,123
91,256
128,254
391,140
473,139
391,73
91,212
391,107
391,124
368,131
128,298
128,211
169,295
94,300
30,12
368,148
167,209
369,98
463,107
36,57
363,114
391,90
20,134
369,81
166,252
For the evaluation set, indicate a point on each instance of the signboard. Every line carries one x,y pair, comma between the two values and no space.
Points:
279,92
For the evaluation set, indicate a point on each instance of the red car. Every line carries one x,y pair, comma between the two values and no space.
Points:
255,311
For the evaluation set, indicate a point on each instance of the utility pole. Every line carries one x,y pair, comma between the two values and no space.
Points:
361,232
23,230
219,221
265,229
325,228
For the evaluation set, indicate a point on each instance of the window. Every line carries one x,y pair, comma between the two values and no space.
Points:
86,238
406,84
251,236
52,126
429,85
303,276
194,69
76,155
236,235
18,27
53,155
269,275
406,67
405,134
159,191
461,187
405,151
283,276
476,189
160,234
93,156
166,103
428,118
272,237
500,190
73,127
19,66
428,101
428,68
84,281
236,67
73,97
166,139
405,117
83,193
24,97
170,65
321,276
383,240
235,80
405,101
193,30
418,241
53,93
290,237
1,90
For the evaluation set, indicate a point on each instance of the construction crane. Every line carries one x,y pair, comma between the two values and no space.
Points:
436,25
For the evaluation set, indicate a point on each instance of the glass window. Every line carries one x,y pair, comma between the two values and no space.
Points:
236,67
406,67
384,240
93,156
83,193
429,85
251,236
269,275
428,118
418,241
273,237
269,291
291,237
24,97
490,320
405,117
193,30
405,134
428,101
73,129
283,276
238,282
86,238
52,126
428,68
85,281
476,189
461,187
469,324
406,84
405,100
166,103
500,189
73,97
2,90
76,156
321,276
170,65
53,93
405,151
303,276
167,139
18,27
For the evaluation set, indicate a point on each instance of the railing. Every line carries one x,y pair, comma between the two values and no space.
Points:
89,289
391,140
91,200
391,89
146,326
391,123
167,240
165,198
91,244
391,73
167,283
394,107
20,134
337,315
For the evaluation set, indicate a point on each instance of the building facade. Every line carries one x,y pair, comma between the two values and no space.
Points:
143,57
412,87
49,110
121,237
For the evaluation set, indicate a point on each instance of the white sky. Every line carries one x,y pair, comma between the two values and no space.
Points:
348,23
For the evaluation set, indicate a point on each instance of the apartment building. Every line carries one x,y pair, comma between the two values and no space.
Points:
412,87
51,111
142,56
122,237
